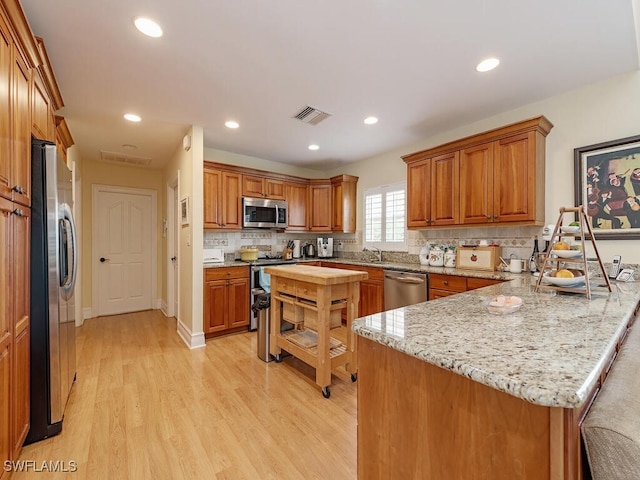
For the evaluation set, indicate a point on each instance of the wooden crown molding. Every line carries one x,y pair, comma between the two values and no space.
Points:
24,37
49,78
538,124
63,132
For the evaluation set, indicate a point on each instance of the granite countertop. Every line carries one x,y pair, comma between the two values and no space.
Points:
549,352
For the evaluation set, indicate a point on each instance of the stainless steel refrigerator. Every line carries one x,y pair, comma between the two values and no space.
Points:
53,275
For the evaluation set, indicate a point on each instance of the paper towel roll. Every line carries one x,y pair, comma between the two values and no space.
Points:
296,249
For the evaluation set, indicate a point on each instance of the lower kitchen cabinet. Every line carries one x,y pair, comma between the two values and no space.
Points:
371,289
444,285
226,300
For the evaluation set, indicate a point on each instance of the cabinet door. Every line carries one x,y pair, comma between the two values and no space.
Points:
371,297
252,186
5,400
6,46
215,306
297,197
21,158
238,294
6,287
274,189
514,179
212,206
232,200
476,184
418,197
21,329
40,109
337,192
320,200
445,189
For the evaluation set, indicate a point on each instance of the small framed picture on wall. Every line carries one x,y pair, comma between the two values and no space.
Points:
184,211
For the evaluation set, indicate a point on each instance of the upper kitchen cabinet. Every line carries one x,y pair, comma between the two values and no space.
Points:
297,197
263,187
433,190
320,205
63,136
343,196
501,178
222,199
15,134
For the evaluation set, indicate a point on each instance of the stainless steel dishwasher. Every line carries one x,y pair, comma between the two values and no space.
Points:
404,288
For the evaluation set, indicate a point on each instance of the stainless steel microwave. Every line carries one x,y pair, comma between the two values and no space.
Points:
263,213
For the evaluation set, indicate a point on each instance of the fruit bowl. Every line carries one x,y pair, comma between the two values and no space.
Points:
570,228
564,282
567,253
503,305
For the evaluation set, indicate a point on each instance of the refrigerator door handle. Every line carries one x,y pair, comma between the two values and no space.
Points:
72,270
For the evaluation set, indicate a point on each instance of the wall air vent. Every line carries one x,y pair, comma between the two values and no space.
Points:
311,115
123,158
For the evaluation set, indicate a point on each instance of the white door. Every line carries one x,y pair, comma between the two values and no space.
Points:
176,250
123,250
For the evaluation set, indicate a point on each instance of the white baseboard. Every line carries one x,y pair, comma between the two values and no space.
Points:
163,308
190,339
87,312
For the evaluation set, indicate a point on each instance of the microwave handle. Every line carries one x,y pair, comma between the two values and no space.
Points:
277,217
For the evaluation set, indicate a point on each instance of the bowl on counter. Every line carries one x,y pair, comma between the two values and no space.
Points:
570,228
565,282
504,305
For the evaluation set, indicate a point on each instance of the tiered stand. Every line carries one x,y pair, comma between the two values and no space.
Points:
554,263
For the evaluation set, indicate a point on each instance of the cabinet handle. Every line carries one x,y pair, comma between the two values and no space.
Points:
18,212
495,216
488,217
18,189
446,282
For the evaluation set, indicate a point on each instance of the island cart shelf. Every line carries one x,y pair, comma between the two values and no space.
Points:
311,298
549,263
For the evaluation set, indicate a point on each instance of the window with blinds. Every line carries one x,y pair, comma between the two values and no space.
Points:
384,217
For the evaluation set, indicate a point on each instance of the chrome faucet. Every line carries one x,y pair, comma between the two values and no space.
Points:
377,253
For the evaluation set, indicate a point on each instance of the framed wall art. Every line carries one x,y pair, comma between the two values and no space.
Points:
184,211
607,182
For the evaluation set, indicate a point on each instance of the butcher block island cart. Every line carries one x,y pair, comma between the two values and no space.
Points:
312,298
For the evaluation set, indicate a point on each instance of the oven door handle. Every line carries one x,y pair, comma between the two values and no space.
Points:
257,291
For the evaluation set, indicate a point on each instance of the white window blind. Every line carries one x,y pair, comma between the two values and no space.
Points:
384,217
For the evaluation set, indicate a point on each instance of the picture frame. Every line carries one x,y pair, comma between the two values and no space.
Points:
607,183
184,211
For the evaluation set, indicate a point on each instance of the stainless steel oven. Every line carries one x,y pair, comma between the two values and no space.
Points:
257,288
264,213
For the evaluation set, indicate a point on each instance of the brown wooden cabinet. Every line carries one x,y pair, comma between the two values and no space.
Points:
441,285
40,110
343,195
253,186
433,191
501,178
371,289
6,62
226,300
222,199
297,197
320,206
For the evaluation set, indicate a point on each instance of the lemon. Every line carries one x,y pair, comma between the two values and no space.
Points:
564,274
561,246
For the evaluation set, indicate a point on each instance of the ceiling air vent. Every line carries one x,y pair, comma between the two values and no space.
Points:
311,115
122,158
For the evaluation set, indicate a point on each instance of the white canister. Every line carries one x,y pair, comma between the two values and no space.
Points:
424,255
436,257
450,259
515,265
296,249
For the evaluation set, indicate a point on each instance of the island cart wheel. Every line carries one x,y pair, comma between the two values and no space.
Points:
278,358
326,393
354,377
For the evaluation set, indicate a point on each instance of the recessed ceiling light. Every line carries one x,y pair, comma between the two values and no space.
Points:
371,120
231,124
487,64
132,117
148,27
313,147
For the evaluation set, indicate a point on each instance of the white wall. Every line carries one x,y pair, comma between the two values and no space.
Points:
597,113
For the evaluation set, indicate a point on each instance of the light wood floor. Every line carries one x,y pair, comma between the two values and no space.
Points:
146,407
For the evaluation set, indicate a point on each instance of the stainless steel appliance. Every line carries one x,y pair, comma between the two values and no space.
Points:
309,250
54,263
263,213
325,247
256,288
403,288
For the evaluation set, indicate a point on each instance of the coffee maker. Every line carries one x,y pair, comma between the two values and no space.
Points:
325,247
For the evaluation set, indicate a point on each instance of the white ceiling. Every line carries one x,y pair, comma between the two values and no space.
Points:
409,62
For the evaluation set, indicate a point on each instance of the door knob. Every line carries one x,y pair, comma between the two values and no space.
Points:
173,259
102,259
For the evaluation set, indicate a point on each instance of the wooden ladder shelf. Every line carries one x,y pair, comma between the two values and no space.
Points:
549,263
